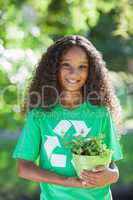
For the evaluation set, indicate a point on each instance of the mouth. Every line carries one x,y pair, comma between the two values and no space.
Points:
70,81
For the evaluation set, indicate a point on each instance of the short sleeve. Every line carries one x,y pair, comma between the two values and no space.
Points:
28,145
111,138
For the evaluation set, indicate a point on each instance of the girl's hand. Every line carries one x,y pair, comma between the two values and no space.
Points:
76,182
101,177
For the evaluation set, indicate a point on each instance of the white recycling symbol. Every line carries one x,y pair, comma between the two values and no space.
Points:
59,160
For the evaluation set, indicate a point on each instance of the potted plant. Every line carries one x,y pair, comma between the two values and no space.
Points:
87,154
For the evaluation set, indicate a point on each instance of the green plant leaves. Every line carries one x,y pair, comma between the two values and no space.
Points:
91,147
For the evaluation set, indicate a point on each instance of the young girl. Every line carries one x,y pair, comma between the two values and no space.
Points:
70,96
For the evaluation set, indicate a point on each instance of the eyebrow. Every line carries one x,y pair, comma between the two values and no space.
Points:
62,60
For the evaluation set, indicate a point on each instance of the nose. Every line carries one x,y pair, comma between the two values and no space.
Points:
74,72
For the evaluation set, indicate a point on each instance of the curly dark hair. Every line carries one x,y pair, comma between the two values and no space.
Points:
98,85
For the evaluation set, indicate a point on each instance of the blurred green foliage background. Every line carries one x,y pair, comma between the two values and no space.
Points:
27,28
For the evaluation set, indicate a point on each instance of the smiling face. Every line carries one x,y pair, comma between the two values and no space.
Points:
73,71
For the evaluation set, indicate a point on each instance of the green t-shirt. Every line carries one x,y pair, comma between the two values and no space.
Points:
43,135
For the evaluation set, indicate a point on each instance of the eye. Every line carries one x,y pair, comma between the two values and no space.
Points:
65,66
83,67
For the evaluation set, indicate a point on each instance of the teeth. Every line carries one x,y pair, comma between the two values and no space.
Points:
72,81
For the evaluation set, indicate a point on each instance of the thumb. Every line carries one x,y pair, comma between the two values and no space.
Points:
99,168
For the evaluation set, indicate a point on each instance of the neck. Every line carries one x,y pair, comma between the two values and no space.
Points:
71,98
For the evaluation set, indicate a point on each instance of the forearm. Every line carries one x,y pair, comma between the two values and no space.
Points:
30,171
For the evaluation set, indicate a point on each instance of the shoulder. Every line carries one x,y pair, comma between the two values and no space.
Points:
98,109
37,113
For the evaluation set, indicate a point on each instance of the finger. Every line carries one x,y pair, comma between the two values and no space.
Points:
88,184
90,175
99,168
96,171
87,172
90,181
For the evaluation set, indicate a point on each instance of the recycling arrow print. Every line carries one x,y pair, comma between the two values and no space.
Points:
79,127
62,126
65,125
57,160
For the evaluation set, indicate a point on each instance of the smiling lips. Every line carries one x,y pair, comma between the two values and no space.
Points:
72,81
